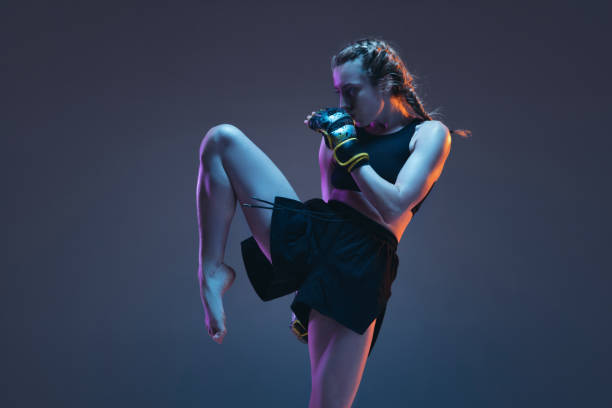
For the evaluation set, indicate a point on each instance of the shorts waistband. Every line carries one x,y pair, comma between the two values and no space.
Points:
316,207
364,221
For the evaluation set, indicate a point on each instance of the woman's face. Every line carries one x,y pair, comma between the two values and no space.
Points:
357,96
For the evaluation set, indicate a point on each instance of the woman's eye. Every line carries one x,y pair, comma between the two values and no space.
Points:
349,93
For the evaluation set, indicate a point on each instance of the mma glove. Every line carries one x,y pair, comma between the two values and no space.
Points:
340,133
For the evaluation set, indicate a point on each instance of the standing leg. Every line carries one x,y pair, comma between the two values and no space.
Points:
337,360
231,168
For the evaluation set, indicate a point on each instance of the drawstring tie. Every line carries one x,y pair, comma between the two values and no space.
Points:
314,214
321,215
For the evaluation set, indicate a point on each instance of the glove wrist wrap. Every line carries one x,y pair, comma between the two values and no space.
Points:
349,155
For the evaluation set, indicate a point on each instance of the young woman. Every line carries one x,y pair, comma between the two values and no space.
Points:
337,253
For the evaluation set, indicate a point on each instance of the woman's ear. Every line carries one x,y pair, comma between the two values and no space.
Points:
384,89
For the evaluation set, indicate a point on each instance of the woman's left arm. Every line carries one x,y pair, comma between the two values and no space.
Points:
415,178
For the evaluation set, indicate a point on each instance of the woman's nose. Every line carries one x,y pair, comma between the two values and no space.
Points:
343,105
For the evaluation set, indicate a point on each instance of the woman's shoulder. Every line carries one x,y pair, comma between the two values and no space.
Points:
429,129
431,126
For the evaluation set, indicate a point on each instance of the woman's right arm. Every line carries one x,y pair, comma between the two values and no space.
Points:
325,159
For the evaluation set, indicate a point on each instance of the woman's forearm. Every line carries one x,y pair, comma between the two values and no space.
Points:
383,195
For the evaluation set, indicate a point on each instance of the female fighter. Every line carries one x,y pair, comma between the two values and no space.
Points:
380,155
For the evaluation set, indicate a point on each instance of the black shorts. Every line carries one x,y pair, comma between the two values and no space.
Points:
339,261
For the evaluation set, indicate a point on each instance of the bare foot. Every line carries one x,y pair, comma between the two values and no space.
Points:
214,281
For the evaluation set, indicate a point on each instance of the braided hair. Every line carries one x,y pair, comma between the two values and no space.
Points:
386,70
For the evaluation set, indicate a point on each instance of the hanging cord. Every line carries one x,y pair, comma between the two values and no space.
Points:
322,215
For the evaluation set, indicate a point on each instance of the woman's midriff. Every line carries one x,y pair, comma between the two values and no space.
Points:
356,200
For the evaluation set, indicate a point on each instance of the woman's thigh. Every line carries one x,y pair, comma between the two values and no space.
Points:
337,360
251,173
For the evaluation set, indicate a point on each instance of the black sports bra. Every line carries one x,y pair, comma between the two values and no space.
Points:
388,153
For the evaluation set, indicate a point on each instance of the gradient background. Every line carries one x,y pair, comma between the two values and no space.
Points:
502,296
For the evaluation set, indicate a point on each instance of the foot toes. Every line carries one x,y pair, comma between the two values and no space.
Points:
218,337
215,334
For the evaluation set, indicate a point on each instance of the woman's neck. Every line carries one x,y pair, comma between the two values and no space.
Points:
399,115
384,128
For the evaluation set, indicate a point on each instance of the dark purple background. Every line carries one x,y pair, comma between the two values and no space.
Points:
502,296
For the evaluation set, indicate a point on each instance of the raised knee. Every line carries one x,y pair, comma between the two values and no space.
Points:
219,136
